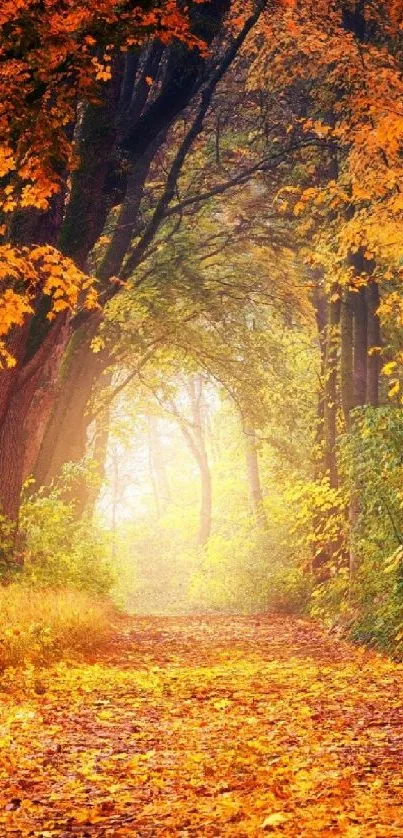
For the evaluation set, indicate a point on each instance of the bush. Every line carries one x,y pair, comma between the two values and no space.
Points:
38,626
61,551
370,603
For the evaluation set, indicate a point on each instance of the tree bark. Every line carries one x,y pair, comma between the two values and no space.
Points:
330,406
374,341
66,433
346,355
360,348
88,204
320,309
24,415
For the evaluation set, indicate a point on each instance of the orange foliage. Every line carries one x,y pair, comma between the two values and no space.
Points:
24,272
51,58
215,727
354,89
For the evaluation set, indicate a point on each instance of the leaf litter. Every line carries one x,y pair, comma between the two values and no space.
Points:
209,726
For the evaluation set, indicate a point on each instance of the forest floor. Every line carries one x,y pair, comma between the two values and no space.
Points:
206,727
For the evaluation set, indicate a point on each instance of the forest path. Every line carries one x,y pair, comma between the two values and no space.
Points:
207,727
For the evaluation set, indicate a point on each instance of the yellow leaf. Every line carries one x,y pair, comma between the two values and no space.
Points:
388,368
394,389
273,820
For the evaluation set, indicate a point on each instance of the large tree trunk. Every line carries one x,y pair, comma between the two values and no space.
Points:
89,197
27,398
27,392
66,433
101,137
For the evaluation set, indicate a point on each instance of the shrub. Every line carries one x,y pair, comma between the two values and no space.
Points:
370,603
62,551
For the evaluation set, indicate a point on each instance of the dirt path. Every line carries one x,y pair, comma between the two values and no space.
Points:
207,727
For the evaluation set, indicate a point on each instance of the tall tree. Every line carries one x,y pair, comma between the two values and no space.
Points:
124,127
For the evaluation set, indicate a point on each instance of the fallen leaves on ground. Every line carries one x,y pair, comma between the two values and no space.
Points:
206,727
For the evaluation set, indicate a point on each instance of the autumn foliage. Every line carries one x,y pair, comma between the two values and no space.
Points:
201,373
217,726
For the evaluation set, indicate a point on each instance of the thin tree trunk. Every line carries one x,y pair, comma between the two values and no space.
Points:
198,406
195,438
353,514
374,342
346,355
330,407
320,309
153,481
115,501
360,348
253,472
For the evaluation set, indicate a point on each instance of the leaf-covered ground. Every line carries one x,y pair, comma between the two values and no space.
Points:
215,727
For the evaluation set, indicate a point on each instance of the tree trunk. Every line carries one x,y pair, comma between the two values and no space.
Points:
320,309
28,391
199,411
346,355
27,398
66,433
360,348
330,407
374,342
253,472
97,449
89,199
194,432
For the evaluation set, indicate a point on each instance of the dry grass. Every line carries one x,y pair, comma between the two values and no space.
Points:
39,626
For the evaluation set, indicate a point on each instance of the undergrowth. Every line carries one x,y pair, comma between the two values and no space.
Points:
40,626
